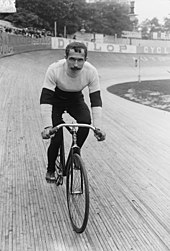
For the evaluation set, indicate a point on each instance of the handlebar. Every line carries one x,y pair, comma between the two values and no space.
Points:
97,132
56,128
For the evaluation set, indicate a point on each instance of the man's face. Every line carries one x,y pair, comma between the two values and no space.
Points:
76,60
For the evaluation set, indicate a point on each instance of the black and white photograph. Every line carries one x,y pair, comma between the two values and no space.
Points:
84,125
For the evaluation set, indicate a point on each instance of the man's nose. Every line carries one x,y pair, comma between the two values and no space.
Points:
75,62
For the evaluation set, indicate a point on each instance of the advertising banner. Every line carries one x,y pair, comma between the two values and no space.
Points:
153,50
61,43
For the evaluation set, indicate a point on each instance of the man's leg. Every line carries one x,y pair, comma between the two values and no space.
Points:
54,144
81,113
53,151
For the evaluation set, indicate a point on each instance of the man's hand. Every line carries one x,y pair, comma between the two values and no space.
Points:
46,133
100,135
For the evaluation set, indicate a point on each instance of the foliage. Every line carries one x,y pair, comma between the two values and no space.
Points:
149,26
167,24
107,18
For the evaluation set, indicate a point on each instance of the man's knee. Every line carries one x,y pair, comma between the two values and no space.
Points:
85,118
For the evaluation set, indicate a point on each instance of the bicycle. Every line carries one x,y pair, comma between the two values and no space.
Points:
77,186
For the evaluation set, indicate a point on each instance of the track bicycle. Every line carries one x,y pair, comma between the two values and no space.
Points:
77,187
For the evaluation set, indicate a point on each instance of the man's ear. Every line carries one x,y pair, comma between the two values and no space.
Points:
65,56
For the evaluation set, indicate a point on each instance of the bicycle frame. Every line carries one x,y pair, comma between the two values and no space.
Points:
63,162
72,130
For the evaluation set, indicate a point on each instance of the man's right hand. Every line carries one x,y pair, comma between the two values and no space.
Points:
46,133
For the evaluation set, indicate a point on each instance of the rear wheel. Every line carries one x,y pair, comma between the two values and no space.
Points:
77,194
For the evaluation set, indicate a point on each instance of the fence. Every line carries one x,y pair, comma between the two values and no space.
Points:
11,44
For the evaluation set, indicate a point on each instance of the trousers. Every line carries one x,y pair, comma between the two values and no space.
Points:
81,113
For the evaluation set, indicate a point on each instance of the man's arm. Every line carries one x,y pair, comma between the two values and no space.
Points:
96,105
46,100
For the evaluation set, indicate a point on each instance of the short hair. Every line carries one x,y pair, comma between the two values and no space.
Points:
76,46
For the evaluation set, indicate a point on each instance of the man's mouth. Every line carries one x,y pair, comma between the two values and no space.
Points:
75,69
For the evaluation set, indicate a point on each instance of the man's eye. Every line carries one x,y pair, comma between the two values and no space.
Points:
79,60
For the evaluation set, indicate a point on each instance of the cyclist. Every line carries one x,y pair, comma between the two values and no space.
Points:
62,91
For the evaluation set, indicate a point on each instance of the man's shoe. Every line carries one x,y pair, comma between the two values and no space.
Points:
50,177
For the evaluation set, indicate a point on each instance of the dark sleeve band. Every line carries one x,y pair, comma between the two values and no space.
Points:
47,96
95,99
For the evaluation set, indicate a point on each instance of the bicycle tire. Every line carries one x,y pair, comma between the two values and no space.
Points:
77,189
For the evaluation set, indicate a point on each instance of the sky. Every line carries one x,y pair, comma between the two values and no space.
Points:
152,8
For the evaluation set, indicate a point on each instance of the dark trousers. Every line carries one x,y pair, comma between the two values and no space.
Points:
81,113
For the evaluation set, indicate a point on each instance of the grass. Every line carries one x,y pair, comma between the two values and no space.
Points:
154,93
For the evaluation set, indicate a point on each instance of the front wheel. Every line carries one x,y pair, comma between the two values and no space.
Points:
77,194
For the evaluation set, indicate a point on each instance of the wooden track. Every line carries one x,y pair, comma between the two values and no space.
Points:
129,173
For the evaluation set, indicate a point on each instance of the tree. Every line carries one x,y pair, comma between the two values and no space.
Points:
167,24
107,18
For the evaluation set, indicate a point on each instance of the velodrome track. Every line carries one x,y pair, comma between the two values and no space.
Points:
129,173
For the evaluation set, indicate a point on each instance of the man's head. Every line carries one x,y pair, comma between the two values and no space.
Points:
76,55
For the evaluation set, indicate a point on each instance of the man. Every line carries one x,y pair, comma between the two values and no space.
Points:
62,91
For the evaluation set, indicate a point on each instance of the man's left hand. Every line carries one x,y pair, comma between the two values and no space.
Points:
99,134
